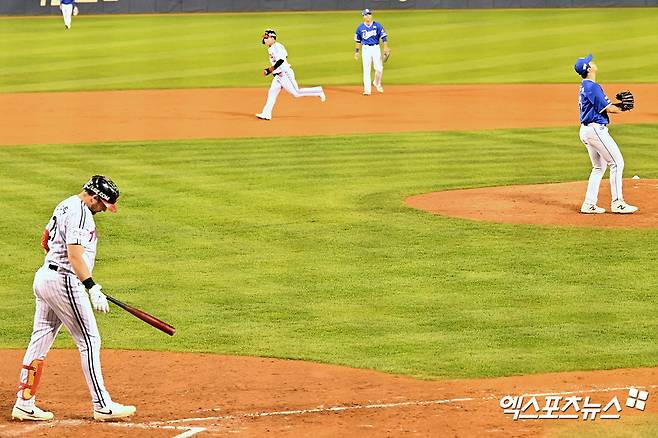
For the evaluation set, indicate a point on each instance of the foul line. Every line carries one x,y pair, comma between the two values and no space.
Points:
193,430
383,405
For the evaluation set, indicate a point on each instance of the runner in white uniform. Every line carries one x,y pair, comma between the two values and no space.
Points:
59,288
283,76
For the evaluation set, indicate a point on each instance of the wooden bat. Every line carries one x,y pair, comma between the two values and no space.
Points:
149,319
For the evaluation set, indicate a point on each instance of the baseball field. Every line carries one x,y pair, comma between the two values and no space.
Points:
319,282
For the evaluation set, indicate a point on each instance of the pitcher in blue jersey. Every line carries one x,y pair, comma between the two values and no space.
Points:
367,39
602,148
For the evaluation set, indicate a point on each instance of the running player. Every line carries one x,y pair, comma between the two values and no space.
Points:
70,240
67,7
283,76
367,37
602,148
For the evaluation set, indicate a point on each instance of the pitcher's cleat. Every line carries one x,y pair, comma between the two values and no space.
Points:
622,207
114,411
591,209
30,414
263,116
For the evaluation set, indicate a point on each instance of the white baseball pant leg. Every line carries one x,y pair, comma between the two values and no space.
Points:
371,56
67,12
603,151
272,94
61,299
286,80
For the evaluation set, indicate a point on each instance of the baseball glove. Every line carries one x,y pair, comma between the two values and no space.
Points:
386,56
75,10
627,101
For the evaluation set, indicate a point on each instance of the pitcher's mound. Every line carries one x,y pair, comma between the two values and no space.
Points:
544,204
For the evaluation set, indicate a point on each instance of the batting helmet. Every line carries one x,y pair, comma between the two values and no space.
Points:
107,191
268,33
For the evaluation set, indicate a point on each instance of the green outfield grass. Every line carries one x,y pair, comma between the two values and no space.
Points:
224,50
303,248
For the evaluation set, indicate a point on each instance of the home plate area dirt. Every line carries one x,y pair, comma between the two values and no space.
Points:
183,395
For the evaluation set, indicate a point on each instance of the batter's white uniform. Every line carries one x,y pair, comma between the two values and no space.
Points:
284,77
61,298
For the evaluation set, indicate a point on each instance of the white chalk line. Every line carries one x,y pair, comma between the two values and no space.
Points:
193,430
383,405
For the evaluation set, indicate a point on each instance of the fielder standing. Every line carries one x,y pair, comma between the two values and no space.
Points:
367,38
283,76
602,148
68,8
70,240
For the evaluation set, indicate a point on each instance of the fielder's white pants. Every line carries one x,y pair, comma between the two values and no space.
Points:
67,11
286,80
61,299
603,151
371,56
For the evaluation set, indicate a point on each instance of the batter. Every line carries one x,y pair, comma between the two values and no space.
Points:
70,240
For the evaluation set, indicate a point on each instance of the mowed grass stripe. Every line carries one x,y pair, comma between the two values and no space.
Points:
224,50
303,248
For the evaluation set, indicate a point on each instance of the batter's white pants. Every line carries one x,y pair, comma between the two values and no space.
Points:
61,299
371,56
603,151
286,80
67,12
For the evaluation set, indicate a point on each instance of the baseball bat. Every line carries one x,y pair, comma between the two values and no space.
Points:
147,318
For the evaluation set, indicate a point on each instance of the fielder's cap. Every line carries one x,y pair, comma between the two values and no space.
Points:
105,189
366,12
582,64
268,33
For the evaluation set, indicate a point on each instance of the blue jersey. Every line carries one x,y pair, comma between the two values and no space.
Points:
593,102
67,2
370,35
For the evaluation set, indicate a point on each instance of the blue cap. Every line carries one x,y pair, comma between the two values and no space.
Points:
366,12
582,64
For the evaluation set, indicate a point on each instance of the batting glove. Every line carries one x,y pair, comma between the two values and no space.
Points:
98,299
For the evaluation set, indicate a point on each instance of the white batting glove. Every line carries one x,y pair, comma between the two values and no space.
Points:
98,299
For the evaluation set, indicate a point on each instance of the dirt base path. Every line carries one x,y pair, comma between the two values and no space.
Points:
87,117
183,395
544,204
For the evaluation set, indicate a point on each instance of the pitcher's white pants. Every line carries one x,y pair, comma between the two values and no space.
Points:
61,299
371,56
603,152
286,80
67,11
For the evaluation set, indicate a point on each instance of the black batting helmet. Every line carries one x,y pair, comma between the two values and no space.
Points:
104,187
268,33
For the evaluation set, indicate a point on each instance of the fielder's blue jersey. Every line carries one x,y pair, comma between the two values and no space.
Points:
593,102
67,2
370,35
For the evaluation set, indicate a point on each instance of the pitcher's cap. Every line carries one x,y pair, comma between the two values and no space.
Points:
582,64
